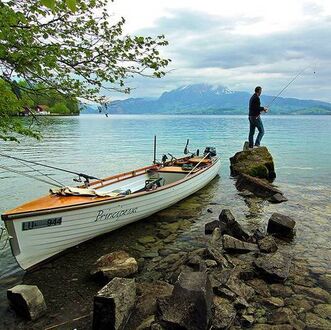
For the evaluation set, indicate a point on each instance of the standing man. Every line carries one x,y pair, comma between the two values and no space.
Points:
255,111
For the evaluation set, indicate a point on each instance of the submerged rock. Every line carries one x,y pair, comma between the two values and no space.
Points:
27,300
189,306
113,303
257,186
281,225
115,264
256,162
275,267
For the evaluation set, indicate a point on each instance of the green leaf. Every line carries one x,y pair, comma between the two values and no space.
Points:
72,5
48,3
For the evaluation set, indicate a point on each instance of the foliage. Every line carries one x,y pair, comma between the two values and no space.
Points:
60,108
72,47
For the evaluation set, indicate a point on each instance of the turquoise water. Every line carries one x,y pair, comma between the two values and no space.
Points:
103,146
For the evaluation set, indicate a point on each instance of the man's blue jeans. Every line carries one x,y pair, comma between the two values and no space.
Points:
255,123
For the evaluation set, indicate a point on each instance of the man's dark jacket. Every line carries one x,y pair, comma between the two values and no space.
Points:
255,106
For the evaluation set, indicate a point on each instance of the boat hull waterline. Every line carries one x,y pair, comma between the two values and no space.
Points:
38,235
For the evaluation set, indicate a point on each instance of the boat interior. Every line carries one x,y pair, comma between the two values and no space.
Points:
152,177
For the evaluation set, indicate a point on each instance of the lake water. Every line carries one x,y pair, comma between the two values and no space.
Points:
101,146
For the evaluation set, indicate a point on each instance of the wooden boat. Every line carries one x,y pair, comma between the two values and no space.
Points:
48,225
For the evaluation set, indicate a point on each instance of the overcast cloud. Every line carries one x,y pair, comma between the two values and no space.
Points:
240,51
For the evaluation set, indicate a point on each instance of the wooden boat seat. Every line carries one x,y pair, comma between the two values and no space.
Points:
175,169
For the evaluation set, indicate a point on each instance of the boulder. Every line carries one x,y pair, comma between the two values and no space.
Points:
258,187
115,264
215,253
146,304
223,314
256,162
241,289
267,245
275,267
232,244
27,300
229,225
189,306
281,225
210,226
277,198
113,304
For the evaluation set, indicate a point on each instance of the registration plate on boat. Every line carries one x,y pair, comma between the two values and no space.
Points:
41,223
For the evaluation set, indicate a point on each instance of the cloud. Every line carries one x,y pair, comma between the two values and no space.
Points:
216,49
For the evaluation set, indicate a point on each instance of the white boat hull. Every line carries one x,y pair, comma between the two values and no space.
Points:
30,247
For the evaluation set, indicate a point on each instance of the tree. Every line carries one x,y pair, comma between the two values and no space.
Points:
70,46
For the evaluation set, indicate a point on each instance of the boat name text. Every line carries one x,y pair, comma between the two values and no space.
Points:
107,214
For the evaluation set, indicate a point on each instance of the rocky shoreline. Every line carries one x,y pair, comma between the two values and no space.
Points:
232,279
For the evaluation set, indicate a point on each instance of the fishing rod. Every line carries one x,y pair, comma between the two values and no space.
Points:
275,97
83,175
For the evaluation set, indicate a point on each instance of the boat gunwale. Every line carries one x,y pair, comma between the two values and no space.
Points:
106,200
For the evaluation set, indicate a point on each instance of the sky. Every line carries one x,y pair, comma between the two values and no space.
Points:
237,44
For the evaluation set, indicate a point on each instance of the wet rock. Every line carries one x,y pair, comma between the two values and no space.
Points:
298,303
267,245
210,226
323,311
277,198
281,225
146,305
315,322
209,210
232,244
272,327
115,264
223,314
210,263
189,306
247,320
316,293
27,300
280,316
229,226
260,287
325,281
280,290
258,187
149,255
146,239
274,267
226,216
146,323
113,303
273,301
224,293
240,303
255,162
214,253
163,233
216,236
241,289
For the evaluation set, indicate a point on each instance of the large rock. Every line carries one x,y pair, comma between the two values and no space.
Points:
277,198
229,225
210,226
213,252
113,303
115,264
258,187
189,306
275,266
281,225
232,244
256,162
146,304
27,300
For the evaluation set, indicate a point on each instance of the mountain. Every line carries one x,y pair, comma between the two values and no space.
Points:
210,99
